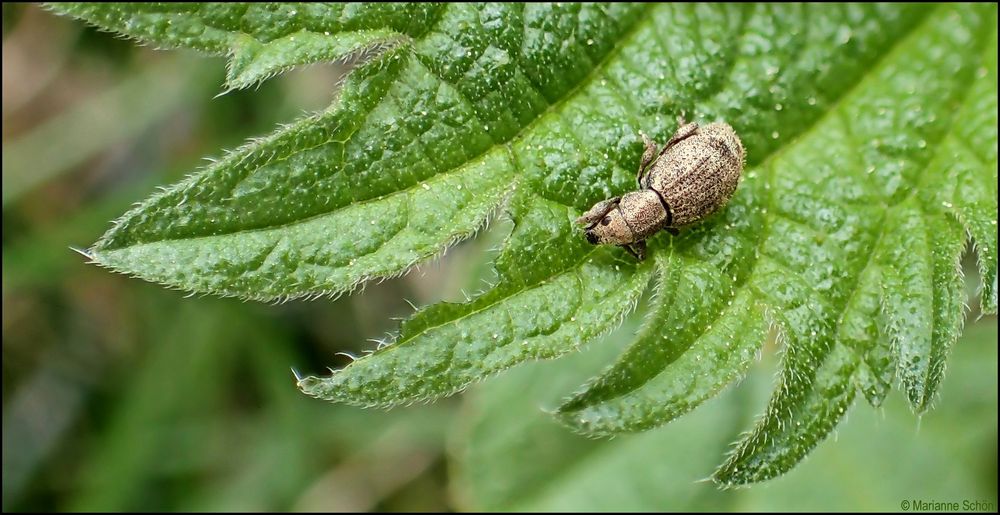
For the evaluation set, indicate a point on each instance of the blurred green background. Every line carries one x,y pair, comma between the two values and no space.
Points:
122,395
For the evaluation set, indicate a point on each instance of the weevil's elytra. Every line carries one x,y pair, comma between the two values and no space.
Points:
691,177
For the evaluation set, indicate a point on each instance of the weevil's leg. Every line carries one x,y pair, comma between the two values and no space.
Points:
640,249
684,130
598,211
637,249
647,158
673,231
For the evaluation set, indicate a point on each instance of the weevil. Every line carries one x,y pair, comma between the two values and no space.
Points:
691,177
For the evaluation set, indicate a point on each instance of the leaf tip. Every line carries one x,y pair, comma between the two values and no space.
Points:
725,481
567,407
921,402
309,385
92,258
988,304
577,420
229,89
729,476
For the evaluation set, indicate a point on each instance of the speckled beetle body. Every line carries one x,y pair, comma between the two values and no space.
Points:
691,177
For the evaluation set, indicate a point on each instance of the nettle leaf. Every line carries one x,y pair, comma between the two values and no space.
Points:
262,39
871,133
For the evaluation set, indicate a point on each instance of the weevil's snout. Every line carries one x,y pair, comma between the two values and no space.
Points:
610,229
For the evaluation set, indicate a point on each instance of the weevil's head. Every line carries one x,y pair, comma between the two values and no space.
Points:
605,224
624,220
610,230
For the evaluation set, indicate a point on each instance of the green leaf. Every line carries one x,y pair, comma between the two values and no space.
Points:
969,159
565,299
871,137
261,39
861,190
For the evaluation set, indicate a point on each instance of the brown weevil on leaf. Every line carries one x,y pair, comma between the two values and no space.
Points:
691,177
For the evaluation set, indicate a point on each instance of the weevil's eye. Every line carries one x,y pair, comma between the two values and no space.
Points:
606,220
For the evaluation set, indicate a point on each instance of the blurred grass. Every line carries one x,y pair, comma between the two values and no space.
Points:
120,395
129,107
509,455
